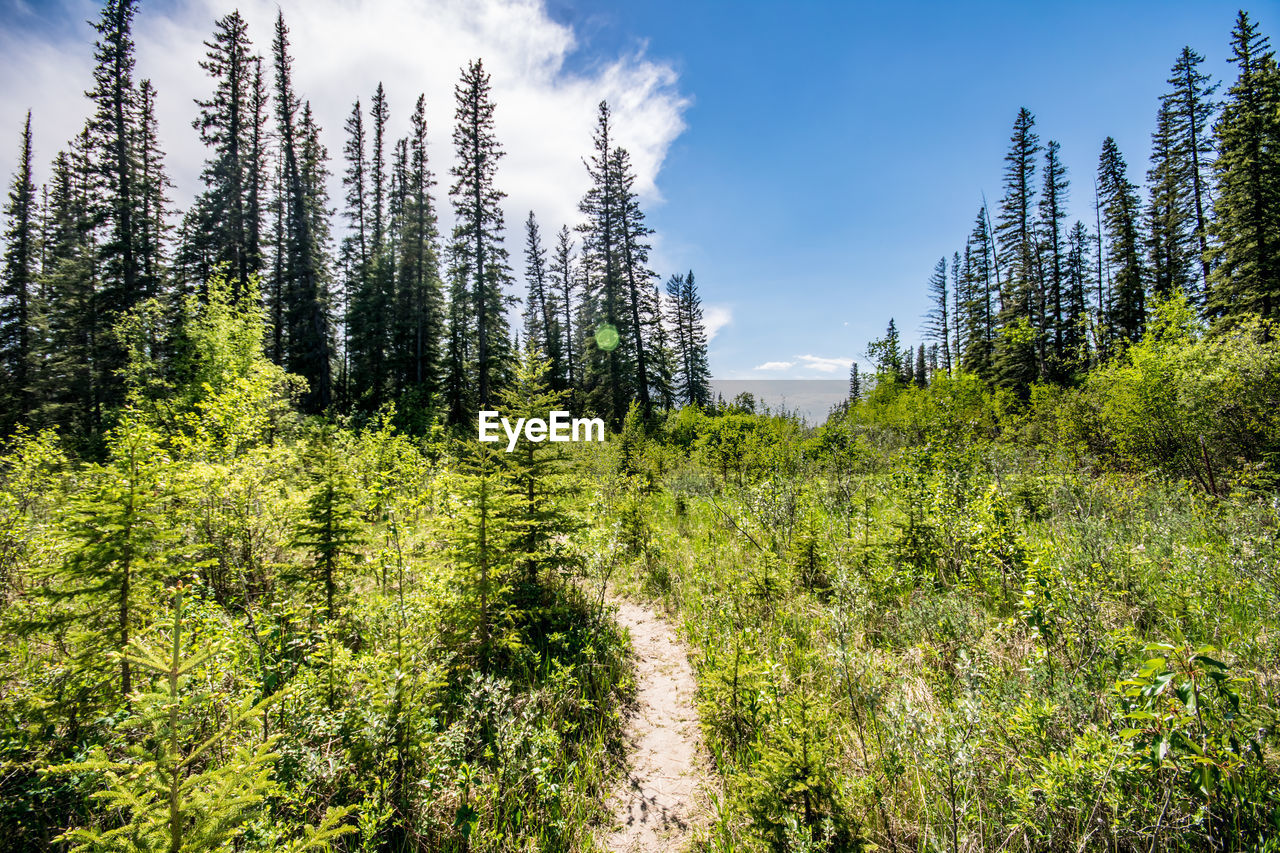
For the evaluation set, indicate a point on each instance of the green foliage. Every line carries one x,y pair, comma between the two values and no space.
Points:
169,795
119,531
1185,404
329,530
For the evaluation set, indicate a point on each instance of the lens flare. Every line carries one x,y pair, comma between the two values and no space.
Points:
607,337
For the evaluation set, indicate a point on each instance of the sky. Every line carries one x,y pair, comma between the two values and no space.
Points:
809,161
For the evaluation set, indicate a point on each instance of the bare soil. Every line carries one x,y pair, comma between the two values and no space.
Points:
661,799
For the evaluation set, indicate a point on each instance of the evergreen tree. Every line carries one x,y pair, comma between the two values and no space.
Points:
482,533
152,184
692,376
460,350
541,525
635,257
1053,204
1075,320
180,791
1191,109
885,354
305,304
561,271
979,309
921,373
368,309
354,254
277,280
479,257
662,366
1246,274
1170,220
1018,344
609,377
256,169
71,391
116,202
379,112
419,300
120,534
542,323
1126,313
855,382
937,322
329,530
230,123
18,343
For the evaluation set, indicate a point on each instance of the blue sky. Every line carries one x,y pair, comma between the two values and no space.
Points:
835,151
809,161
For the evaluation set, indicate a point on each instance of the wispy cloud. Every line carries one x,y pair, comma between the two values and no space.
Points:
823,364
715,318
798,365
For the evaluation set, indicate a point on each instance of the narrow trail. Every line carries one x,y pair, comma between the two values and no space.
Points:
660,801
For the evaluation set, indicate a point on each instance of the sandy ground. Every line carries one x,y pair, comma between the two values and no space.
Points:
656,806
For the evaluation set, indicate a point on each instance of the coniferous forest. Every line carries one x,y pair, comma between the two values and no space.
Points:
261,588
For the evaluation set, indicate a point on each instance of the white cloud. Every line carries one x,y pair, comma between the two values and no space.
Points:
775,365
823,364
715,318
342,49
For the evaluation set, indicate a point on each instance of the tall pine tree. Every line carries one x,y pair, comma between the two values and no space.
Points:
1126,314
305,304
18,291
1246,225
479,257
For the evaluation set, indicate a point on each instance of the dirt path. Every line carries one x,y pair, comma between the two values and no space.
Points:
656,805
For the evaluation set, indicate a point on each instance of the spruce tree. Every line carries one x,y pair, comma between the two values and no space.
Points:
481,533
1191,109
71,385
368,311
305,305
223,216
1246,274
562,274
541,525
1170,219
960,296
1075,320
542,323
116,203
937,321
692,377
479,257
886,356
1018,343
419,297
979,309
608,373
329,528
18,342
120,531
152,184
662,365
379,112
635,257
1126,313
1053,210
181,790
